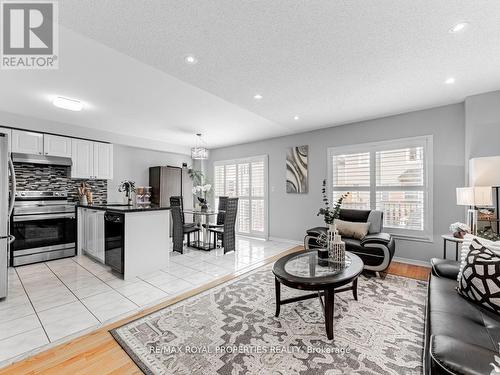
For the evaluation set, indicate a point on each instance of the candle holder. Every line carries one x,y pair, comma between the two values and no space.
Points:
336,247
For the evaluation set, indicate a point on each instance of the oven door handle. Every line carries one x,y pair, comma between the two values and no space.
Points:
42,217
13,186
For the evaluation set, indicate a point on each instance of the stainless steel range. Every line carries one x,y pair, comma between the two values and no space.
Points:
43,223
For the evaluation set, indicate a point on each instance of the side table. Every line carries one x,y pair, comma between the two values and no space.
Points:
450,238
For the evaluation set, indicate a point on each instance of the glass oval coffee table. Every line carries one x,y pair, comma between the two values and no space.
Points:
304,270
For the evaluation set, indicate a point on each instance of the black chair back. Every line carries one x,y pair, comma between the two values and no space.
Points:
176,201
177,228
229,242
222,207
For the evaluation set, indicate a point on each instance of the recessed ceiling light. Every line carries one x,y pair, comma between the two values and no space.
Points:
450,81
257,96
296,117
190,60
459,27
66,103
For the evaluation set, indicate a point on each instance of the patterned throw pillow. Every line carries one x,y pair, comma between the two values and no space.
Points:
480,280
480,242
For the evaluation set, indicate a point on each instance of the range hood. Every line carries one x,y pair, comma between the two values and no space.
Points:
18,157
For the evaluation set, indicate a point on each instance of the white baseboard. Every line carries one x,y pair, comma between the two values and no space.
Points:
412,261
294,242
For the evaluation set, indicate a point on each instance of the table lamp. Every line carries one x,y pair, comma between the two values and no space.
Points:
485,171
474,197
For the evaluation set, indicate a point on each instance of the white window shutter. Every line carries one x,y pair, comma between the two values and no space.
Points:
245,179
393,177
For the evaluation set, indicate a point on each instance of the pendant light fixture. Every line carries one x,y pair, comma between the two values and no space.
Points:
199,152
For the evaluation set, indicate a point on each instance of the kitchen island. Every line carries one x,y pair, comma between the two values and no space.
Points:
132,240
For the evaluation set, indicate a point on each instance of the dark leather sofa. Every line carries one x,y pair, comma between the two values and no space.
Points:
460,336
376,249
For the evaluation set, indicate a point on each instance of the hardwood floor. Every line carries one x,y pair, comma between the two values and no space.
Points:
98,353
409,270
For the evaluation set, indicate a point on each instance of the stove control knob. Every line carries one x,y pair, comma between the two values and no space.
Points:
23,194
56,194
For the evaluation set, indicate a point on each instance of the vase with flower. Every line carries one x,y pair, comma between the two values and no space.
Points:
201,192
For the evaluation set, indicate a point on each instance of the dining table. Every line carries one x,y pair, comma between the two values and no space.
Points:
202,220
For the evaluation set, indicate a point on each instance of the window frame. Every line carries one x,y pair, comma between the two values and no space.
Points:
257,158
372,147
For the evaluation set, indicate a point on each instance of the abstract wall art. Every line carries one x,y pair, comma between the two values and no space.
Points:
296,169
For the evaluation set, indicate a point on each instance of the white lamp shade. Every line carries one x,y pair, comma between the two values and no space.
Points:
484,171
475,196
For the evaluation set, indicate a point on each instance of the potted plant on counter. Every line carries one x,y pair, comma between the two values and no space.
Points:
128,187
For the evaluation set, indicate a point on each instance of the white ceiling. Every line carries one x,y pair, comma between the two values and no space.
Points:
329,62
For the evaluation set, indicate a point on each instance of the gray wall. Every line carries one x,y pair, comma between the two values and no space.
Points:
482,128
132,163
482,125
290,215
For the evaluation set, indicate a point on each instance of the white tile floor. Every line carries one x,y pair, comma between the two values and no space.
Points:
58,300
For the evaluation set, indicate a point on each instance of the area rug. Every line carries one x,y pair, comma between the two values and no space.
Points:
231,329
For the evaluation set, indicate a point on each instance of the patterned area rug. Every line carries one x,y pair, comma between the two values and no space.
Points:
231,329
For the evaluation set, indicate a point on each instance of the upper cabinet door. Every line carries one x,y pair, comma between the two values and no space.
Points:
82,156
27,142
103,161
55,145
9,136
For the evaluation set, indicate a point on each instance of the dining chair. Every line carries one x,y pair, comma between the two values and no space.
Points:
228,230
221,215
176,200
179,230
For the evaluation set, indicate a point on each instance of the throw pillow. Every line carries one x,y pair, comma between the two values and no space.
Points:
466,247
480,280
352,229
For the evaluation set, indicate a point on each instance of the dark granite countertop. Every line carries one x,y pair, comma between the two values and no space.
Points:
122,208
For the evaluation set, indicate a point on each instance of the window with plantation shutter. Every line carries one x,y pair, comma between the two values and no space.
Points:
351,173
393,177
219,180
247,180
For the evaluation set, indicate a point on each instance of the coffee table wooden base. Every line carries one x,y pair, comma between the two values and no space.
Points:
326,298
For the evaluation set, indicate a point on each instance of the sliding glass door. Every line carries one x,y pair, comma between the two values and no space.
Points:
247,180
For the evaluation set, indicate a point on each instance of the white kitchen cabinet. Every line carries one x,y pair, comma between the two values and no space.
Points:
27,142
103,161
55,145
82,156
9,135
91,160
92,233
99,235
88,235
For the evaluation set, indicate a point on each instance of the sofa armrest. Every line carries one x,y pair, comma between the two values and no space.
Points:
378,238
451,356
445,268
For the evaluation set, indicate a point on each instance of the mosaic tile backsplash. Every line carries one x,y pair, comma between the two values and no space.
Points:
56,178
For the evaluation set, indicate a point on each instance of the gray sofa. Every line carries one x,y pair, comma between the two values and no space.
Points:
376,249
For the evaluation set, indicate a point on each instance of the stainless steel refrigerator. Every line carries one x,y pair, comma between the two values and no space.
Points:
170,181
7,193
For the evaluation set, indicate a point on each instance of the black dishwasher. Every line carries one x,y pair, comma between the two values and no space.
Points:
114,234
